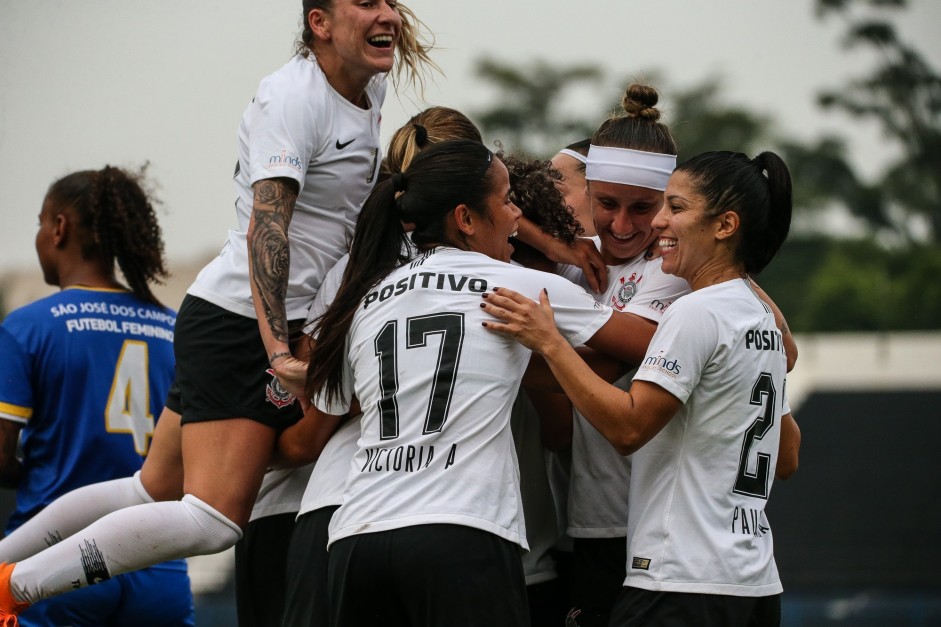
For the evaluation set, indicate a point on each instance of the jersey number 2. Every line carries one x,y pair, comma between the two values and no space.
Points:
450,326
756,483
128,409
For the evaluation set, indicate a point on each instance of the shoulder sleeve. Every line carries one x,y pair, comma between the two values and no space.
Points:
681,348
577,315
285,122
16,393
658,292
573,274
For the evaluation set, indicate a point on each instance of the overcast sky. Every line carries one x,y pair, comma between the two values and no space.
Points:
89,82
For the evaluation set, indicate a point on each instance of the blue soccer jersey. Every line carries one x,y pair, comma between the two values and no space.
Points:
86,372
98,365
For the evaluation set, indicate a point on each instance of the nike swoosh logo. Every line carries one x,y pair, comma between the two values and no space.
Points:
342,146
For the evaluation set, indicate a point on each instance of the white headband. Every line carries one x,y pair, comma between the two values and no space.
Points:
574,155
629,167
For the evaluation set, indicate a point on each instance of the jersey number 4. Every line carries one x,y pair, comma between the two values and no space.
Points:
128,409
756,483
450,328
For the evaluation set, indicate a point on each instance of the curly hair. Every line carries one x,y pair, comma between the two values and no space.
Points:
117,221
533,190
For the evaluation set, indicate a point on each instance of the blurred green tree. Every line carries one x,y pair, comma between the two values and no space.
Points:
822,280
902,93
528,116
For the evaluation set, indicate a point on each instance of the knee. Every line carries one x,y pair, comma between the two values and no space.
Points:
217,532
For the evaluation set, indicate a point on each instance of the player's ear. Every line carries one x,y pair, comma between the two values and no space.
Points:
62,225
464,219
726,225
319,22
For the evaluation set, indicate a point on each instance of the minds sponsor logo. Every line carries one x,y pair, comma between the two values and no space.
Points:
662,364
284,159
659,305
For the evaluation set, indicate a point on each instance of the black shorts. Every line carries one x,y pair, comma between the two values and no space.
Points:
306,596
222,369
548,603
644,608
260,558
430,575
599,566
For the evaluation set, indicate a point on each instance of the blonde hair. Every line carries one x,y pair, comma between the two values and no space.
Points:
413,48
431,126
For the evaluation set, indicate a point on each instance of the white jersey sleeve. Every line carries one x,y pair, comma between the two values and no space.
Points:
284,132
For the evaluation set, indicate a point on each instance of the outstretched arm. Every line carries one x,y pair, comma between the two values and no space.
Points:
269,263
627,419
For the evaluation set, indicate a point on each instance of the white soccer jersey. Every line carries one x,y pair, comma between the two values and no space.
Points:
328,480
699,487
280,491
299,127
436,390
600,476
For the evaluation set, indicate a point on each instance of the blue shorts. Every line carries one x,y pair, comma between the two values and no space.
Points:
158,596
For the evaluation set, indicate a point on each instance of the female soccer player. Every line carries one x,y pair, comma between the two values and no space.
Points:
97,364
308,157
629,161
430,527
306,588
704,412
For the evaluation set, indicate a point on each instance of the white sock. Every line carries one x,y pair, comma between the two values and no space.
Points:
69,513
126,540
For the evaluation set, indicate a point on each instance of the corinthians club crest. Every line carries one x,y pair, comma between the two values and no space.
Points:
626,291
276,394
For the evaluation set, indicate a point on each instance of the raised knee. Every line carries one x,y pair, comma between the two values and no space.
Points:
217,532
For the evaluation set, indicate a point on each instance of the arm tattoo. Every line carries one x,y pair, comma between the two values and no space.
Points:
268,250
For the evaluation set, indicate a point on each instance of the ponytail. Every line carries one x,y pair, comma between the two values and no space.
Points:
379,246
758,190
117,222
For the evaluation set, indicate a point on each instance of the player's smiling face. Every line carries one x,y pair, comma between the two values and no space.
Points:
622,215
501,218
363,33
686,238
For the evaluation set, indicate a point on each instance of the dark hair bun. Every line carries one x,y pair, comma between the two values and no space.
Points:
640,101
